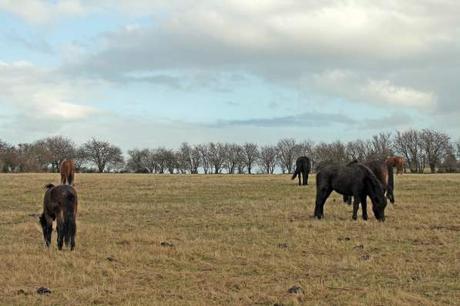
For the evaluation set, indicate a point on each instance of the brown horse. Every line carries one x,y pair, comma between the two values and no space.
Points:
396,161
67,172
60,204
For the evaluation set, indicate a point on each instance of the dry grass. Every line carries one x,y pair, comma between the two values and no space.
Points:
235,240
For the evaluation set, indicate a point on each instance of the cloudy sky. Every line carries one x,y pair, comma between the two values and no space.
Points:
145,73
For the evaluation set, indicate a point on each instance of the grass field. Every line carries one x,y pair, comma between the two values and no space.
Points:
201,240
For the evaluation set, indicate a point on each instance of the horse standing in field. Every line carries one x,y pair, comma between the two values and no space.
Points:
67,170
397,162
302,168
355,180
60,204
384,174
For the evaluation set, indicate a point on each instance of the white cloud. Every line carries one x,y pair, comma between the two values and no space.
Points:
39,93
359,88
386,92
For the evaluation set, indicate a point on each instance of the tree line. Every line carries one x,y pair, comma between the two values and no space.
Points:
421,149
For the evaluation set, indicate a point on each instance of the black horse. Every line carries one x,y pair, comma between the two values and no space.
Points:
384,173
355,180
60,204
303,167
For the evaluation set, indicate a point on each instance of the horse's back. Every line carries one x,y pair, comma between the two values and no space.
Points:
67,166
342,179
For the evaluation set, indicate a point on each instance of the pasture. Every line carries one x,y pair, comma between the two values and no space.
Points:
230,239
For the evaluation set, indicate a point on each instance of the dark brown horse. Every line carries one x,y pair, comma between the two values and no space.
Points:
355,180
384,173
397,162
60,204
302,169
67,169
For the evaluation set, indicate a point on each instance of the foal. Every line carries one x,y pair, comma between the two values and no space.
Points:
60,204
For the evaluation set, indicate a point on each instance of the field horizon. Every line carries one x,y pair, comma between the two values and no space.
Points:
147,239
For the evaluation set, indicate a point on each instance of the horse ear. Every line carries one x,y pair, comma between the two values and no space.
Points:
49,186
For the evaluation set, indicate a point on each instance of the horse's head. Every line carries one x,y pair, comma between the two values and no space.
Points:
376,193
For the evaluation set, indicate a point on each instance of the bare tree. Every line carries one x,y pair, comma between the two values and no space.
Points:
203,149
409,144
136,160
286,148
8,157
331,152
381,146
216,156
188,158
232,157
250,155
102,154
450,162
170,161
195,158
458,148
358,150
151,161
267,159
435,145
59,148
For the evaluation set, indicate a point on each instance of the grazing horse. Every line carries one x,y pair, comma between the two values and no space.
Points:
60,204
355,180
67,169
302,168
397,162
384,173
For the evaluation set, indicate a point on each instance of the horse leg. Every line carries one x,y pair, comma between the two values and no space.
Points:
390,195
63,178
355,207
304,178
47,227
60,231
321,197
364,207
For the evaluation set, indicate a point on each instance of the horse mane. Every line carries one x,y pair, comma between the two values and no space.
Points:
49,186
371,176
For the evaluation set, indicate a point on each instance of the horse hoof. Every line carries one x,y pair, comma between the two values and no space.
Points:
354,218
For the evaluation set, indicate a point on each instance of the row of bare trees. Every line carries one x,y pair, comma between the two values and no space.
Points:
420,148
46,155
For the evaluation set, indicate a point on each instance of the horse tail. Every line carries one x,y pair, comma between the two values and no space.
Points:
70,178
70,225
296,172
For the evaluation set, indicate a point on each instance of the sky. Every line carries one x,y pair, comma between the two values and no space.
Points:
147,73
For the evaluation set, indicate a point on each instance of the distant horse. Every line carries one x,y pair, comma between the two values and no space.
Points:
397,162
384,173
355,180
60,204
302,168
67,169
